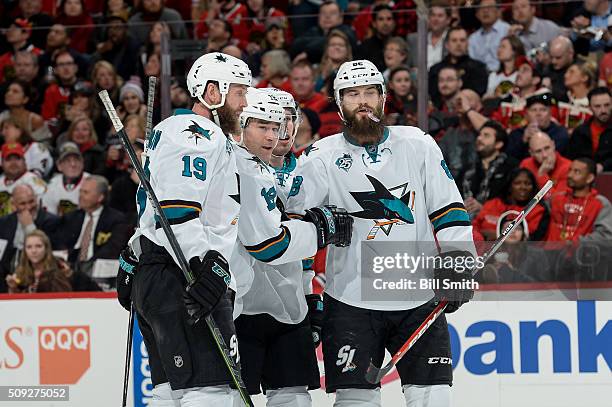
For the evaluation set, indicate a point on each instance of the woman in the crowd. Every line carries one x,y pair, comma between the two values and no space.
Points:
275,69
521,187
16,99
337,51
395,54
72,13
401,105
37,270
579,79
37,155
501,82
131,99
82,133
105,77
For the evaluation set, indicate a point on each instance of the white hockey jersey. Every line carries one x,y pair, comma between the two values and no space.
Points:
60,198
192,169
6,189
265,241
279,290
398,190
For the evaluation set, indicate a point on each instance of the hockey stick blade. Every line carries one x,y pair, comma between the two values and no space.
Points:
163,220
374,375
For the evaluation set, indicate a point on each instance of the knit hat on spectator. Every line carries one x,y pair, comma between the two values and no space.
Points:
543,96
9,149
83,88
275,22
134,86
67,149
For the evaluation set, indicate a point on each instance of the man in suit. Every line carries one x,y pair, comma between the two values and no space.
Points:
439,22
94,231
28,216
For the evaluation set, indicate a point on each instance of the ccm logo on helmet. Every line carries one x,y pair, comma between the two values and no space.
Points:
439,360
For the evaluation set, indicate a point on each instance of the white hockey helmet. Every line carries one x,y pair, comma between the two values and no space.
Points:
357,73
288,102
221,68
263,106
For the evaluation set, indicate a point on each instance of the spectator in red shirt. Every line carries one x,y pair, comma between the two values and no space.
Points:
520,190
275,68
231,11
73,13
17,36
302,78
580,212
57,94
546,163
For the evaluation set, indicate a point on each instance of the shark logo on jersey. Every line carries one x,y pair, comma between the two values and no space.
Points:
345,162
384,208
373,155
220,58
197,132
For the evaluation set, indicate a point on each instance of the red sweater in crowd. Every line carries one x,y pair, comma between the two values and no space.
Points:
316,102
558,174
486,220
236,16
54,102
572,217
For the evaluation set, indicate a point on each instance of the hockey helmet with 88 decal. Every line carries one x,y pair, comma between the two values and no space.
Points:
358,73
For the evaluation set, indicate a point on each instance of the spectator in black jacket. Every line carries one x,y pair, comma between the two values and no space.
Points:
27,217
119,48
95,231
473,73
383,25
588,137
539,119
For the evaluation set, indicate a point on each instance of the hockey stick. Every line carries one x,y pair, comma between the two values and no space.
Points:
375,374
128,357
128,351
144,182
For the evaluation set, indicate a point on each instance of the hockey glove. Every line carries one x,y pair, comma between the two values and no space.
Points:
459,291
212,278
127,269
334,225
315,314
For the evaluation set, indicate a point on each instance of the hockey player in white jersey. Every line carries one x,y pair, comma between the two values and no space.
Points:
191,167
274,334
394,182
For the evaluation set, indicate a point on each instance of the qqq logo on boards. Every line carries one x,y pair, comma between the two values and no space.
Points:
64,353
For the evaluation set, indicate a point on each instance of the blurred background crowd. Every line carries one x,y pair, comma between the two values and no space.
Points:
518,93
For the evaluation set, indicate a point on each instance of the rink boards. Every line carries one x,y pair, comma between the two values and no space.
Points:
527,353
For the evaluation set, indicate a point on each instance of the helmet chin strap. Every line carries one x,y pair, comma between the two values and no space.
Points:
213,108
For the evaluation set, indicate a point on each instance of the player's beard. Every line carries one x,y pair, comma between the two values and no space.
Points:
228,120
363,129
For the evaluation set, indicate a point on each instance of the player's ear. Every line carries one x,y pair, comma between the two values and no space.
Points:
212,95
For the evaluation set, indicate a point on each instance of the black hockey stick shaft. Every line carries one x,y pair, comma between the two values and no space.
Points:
144,182
128,357
128,352
375,374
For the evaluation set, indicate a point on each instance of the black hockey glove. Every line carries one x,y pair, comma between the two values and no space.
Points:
127,269
459,292
212,278
334,225
315,314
